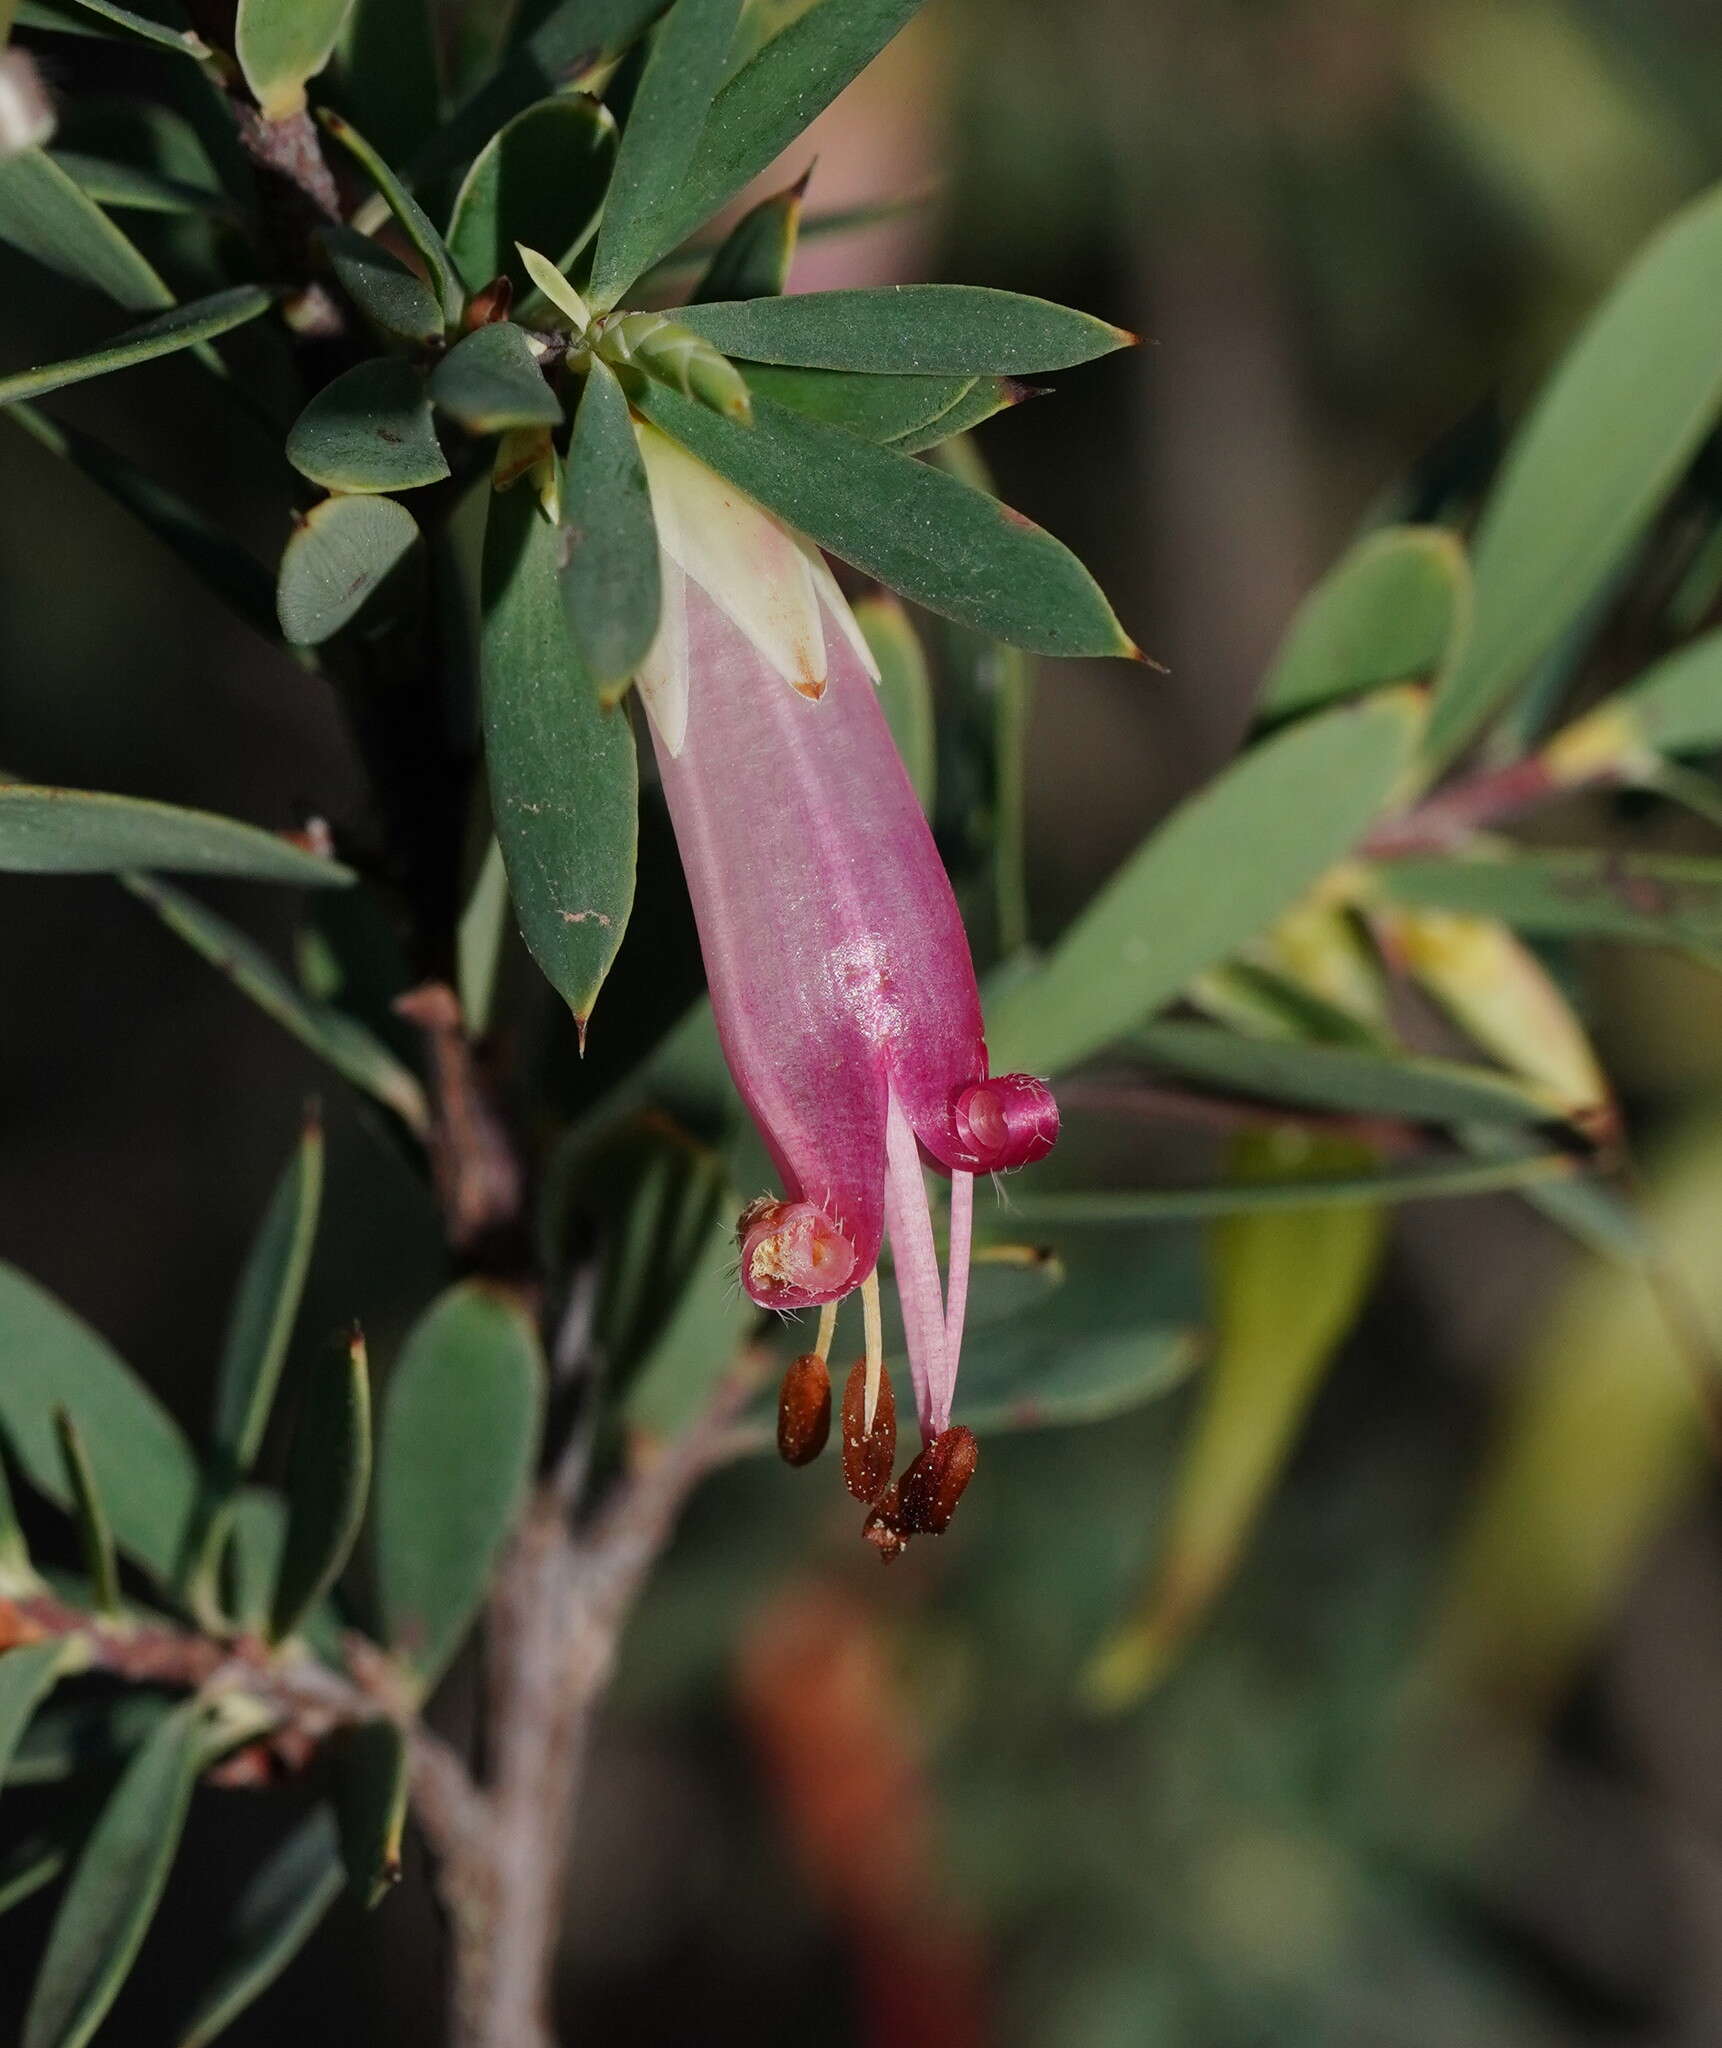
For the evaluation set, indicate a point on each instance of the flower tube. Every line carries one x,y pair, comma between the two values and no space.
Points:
839,969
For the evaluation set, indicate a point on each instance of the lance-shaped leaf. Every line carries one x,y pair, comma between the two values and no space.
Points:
491,381
281,45
275,1914
912,528
610,584
28,1674
45,212
114,1890
1656,899
371,1785
563,774
415,223
207,550
540,180
396,300
877,408
984,397
95,1533
38,1858
181,41
905,687
184,327
369,430
133,186
143,1465
458,1443
336,559
1675,707
1217,874
773,97
1599,1446
89,832
1623,414
1345,1078
327,1484
1417,1180
330,1033
484,926
265,1308
1287,1286
1394,610
932,329
753,259
684,67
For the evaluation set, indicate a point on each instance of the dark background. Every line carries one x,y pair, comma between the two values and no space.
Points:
1350,233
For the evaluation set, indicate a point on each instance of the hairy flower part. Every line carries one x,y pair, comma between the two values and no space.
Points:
839,970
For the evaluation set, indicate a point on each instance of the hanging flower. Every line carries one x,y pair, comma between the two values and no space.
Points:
840,973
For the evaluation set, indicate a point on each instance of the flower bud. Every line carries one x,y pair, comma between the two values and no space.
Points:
868,1455
804,1410
930,1489
491,304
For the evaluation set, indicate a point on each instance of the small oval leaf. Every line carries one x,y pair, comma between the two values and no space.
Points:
491,380
540,180
281,44
336,560
610,584
370,430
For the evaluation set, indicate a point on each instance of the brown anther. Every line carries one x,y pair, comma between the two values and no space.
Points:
868,1456
804,1410
757,1211
884,1529
932,1486
490,304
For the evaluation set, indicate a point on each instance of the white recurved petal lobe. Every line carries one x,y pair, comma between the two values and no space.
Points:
754,570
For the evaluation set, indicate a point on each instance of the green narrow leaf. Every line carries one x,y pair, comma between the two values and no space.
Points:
210,553
772,98
132,185
152,31
684,67
610,585
415,222
371,1800
1653,899
1419,1180
1394,610
36,1860
341,1040
1345,1078
256,1539
369,430
931,329
984,397
540,180
265,1308
95,1535
563,774
327,1484
143,1465
1216,875
912,528
483,930
27,1675
754,258
45,212
1624,412
396,300
1675,707
877,408
184,327
491,381
273,1917
114,1890
458,1444
90,832
283,44
337,558
905,687
1287,1287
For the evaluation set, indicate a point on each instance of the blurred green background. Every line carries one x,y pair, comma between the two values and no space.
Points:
831,1805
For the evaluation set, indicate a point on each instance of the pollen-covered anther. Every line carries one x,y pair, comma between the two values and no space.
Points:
928,1492
868,1454
1008,1120
884,1529
804,1410
793,1255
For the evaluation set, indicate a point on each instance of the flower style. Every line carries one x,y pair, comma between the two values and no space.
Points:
839,969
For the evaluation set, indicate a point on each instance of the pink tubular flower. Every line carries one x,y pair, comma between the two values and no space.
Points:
839,969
